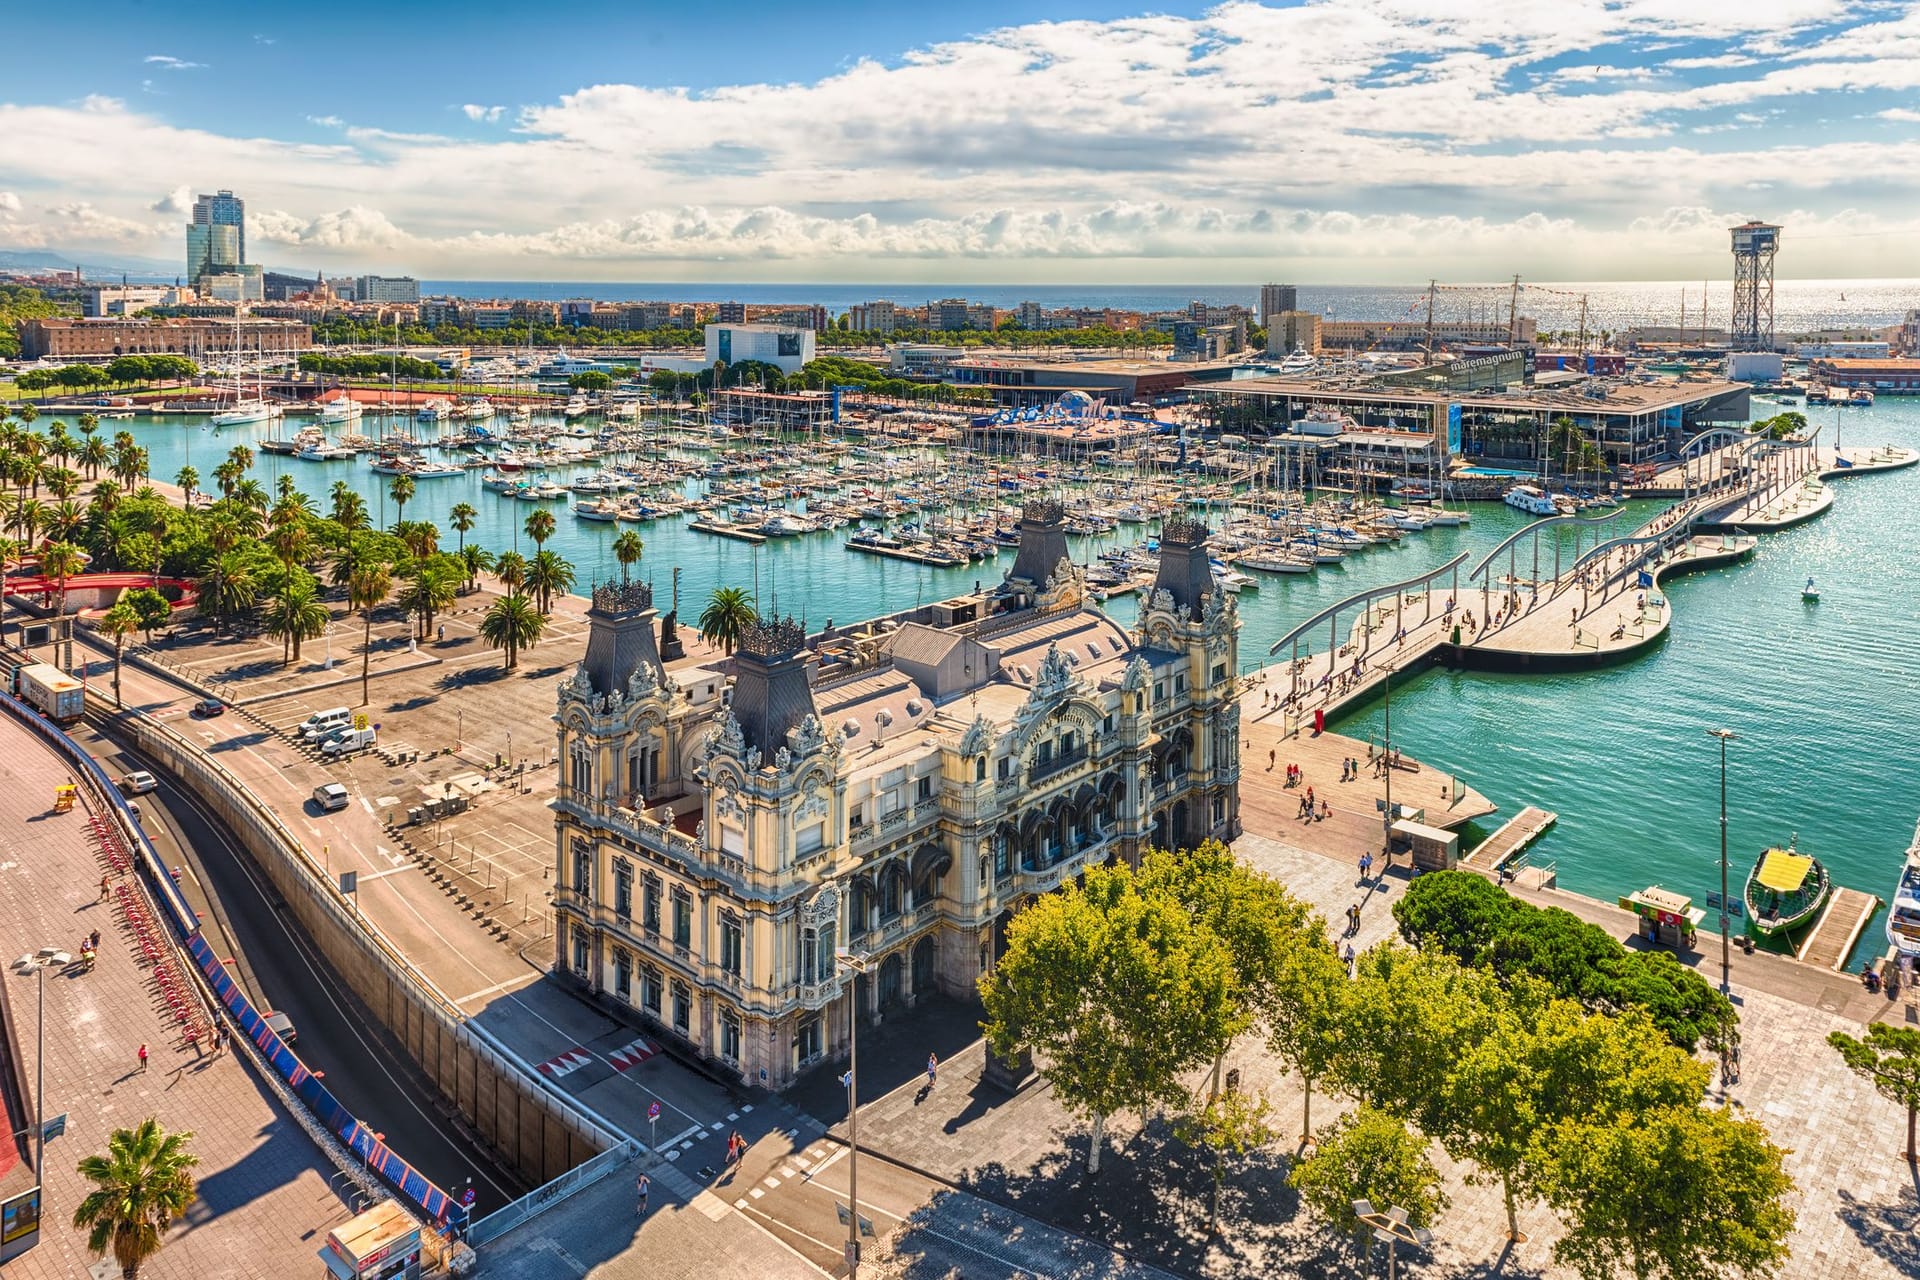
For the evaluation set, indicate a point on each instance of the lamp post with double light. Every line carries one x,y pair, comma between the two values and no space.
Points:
37,963
1391,1228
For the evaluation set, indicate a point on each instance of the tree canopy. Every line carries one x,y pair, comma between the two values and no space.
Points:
1473,920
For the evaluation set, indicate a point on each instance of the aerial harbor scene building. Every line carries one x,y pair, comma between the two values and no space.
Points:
908,649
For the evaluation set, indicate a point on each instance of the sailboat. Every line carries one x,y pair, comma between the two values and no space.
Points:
244,409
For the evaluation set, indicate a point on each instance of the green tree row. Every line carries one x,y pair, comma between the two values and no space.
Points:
1127,986
368,365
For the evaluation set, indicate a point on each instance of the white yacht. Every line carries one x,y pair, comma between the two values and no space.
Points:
242,412
1903,917
1298,362
1531,500
342,408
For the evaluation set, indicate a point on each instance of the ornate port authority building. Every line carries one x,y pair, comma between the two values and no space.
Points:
724,823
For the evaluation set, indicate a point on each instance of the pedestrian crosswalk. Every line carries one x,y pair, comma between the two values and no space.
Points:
782,1173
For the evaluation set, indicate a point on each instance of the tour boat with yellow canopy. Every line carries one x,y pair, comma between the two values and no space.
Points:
1785,890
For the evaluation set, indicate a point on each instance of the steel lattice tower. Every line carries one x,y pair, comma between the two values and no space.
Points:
1754,244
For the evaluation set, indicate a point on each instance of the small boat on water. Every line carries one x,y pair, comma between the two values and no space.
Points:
1785,890
1903,917
1531,500
1810,593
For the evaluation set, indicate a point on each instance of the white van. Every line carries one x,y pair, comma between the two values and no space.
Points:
350,741
321,723
330,796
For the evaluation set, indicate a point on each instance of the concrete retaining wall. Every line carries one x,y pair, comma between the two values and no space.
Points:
537,1132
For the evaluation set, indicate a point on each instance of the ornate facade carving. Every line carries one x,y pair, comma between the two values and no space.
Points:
978,739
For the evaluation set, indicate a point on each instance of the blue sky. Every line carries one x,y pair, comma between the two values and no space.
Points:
1340,141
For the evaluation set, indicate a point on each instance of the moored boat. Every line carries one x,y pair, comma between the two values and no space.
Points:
1785,890
1903,917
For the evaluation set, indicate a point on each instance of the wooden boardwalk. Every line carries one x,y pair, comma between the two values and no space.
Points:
1838,929
1511,839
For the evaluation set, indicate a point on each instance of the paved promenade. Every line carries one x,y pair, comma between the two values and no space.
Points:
265,1197
1857,1204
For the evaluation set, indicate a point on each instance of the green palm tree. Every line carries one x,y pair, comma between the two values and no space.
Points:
430,588
64,518
60,561
140,1187
477,560
512,624
421,538
295,615
728,614
367,585
463,517
539,526
188,479
119,622
401,491
227,589
511,569
94,455
626,549
241,457
350,511
547,576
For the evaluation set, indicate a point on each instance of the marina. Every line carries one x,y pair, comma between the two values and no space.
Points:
703,501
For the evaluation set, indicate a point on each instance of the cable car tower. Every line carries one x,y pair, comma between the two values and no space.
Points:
1754,244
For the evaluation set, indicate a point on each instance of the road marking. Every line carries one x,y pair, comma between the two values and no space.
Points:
770,1183
381,875
563,1063
756,1193
711,1205
629,1056
496,988
366,804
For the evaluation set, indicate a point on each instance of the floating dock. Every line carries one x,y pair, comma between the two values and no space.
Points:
1511,840
722,530
938,559
1838,930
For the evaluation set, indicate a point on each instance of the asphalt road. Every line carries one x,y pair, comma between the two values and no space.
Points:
280,968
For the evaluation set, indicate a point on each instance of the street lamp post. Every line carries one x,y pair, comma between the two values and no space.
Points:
37,964
1386,770
1393,1229
855,966
1726,946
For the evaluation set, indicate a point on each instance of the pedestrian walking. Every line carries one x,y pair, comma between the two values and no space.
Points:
93,940
106,883
1366,865
933,1069
641,1186
143,1057
1272,757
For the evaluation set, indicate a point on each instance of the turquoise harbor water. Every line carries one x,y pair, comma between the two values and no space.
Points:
1824,696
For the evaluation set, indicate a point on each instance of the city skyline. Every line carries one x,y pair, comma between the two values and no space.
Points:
1359,143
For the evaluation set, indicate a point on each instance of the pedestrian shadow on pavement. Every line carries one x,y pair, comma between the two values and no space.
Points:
1887,1227
891,1054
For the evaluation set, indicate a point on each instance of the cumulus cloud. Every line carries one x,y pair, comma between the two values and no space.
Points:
179,200
1253,131
81,219
1905,115
171,63
9,202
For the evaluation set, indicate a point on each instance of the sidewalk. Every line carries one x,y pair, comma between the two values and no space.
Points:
265,1202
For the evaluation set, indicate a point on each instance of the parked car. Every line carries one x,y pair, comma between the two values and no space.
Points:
321,723
138,783
208,708
281,1025
347,743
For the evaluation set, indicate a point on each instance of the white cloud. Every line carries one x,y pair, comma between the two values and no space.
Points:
9,202
172,63
1905,115
1250,132
177,201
